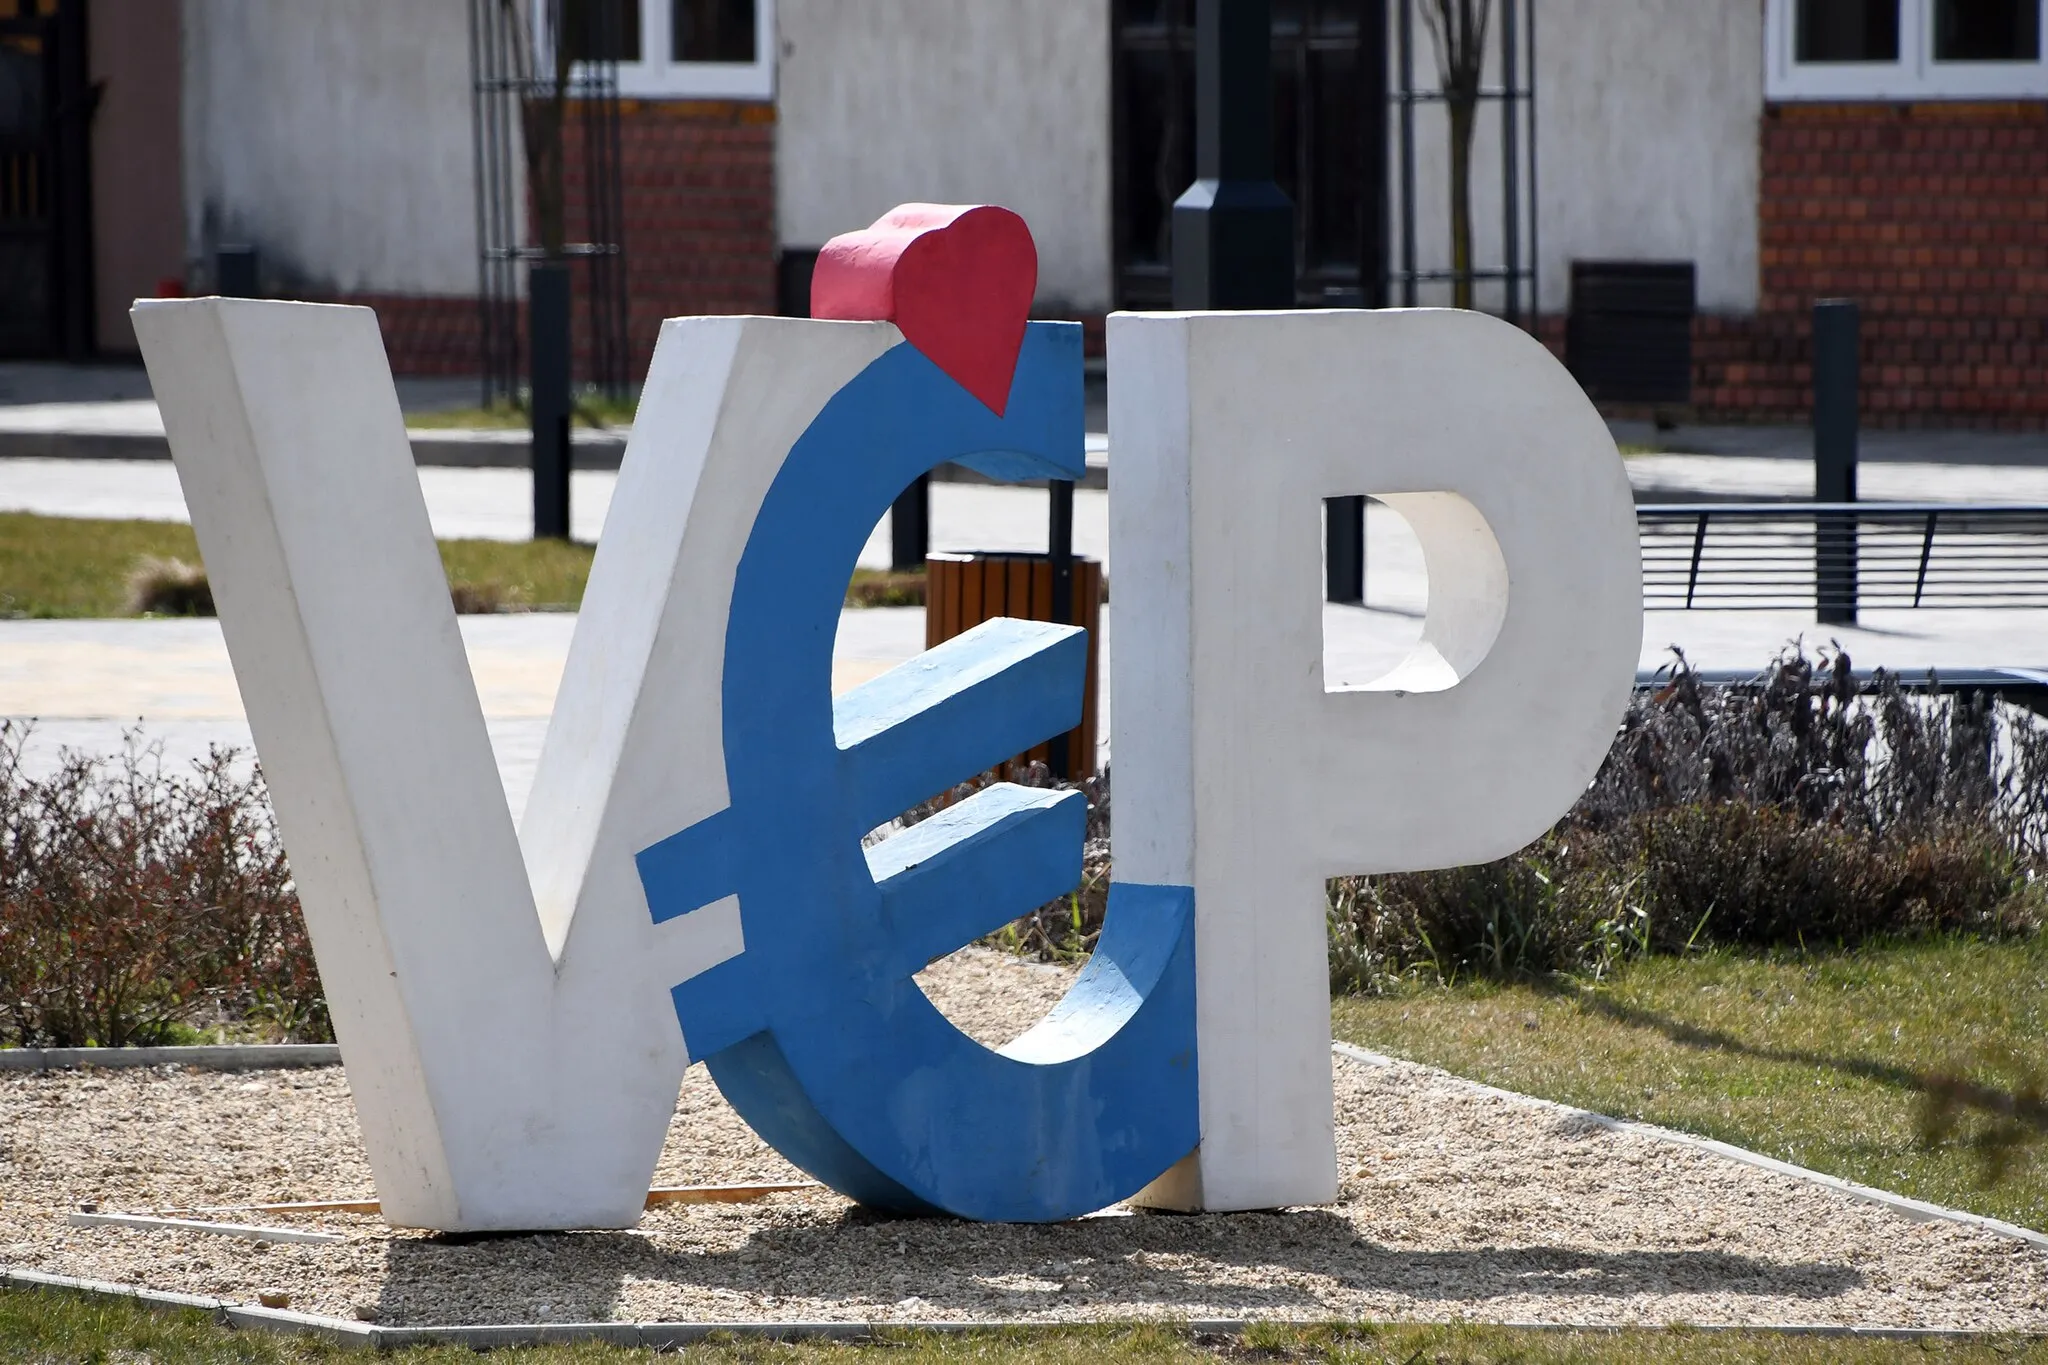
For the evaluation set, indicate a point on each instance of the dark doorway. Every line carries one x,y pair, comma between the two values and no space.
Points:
46,305
1329,143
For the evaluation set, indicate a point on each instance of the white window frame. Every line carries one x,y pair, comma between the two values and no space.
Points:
1914,76
655,77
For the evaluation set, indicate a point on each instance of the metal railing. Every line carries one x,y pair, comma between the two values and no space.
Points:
1842,556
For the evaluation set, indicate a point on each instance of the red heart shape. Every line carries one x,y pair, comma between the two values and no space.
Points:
957,279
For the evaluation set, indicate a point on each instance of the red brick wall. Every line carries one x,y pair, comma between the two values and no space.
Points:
426,334
1935,218
699,180
698,185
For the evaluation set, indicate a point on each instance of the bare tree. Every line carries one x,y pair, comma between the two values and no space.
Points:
543,110
1458,28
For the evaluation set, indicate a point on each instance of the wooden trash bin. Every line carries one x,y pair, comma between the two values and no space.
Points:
963,590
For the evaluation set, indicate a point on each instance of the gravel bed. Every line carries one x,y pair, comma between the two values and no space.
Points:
1455,1204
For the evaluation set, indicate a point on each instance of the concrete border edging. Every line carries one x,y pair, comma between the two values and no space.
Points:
208,1057
432,447
671,1335
1917,1210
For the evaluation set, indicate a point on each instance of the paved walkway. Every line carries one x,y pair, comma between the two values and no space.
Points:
87,681
90,682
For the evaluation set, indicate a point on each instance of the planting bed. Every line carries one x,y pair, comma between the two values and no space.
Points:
1455,1204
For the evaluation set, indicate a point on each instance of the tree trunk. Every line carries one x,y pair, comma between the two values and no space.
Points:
1464,115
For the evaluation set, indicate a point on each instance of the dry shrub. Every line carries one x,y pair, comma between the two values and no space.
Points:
1065,929
873,588
136,904
171,587
168,587
1798,811
479,599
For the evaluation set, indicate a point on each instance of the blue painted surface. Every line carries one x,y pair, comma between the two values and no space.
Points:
816,1033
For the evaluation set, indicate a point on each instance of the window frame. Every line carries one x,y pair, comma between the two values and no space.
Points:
655,77
1914,76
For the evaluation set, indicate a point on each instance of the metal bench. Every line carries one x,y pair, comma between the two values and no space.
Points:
1838,556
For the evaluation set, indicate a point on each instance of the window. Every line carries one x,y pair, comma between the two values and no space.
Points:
1904,49
1847,31
678,49
1987,31
713,31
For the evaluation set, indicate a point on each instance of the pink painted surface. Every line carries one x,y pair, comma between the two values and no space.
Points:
957,279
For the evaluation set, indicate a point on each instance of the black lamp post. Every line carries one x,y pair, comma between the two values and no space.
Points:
1233,229
548,337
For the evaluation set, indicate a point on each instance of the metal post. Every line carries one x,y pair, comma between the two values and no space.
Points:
1344,550
910,526
1060,549
1233,229
1837,353
234,271
1375,93
547,287
1511,225
1535,197
1405,60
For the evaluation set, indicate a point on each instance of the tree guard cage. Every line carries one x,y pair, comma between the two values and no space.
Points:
516,78
1511,62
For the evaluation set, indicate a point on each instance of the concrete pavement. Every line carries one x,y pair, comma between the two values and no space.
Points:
105,412
88,681
497,504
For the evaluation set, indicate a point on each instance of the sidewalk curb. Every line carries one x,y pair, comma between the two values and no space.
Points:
658,1336
451,449
1917,1210
454,449
216,1057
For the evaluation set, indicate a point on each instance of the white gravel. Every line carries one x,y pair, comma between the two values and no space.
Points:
1455,1204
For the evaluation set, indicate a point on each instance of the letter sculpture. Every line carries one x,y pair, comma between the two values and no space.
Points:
508,1003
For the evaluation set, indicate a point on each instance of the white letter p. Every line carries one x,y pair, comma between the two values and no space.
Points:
1237,772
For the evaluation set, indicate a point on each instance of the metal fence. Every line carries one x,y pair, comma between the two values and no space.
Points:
512,44
1842,556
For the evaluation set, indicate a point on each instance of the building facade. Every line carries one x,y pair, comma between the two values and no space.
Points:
1894,151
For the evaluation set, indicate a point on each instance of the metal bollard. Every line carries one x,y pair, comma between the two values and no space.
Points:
1344,549
234,271
548,322
910,526
1837,352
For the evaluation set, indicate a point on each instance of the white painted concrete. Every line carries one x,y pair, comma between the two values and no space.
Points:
887,102
1242,771
293,455
1647,116
1647,123
335,138
501,996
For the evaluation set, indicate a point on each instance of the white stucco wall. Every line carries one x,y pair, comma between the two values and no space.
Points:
335,137
1649,115
1647,123
951,101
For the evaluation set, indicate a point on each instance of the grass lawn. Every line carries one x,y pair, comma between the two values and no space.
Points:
39,1327
1826,1061
74,566
592,410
